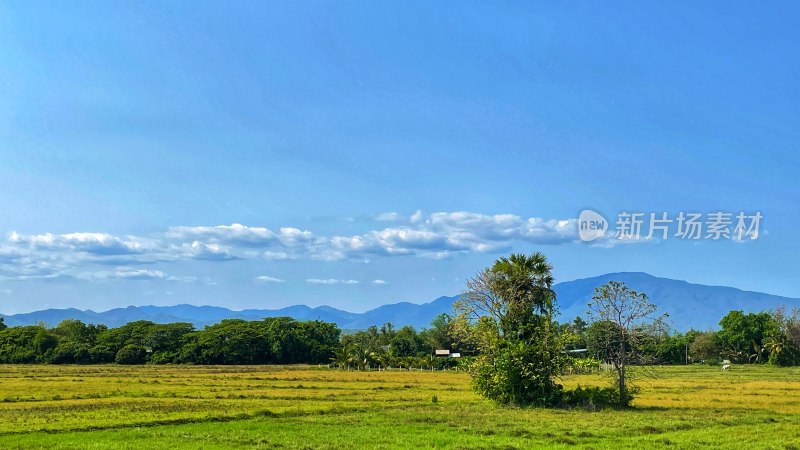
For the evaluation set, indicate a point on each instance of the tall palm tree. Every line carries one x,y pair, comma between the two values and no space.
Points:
384,359
758,352
525,283
362,355
775,347
342,357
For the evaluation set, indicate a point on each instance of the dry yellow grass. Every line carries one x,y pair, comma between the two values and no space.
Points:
298,407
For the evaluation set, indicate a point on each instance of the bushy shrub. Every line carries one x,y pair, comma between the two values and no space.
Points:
163,358
582,365
70,353
102,354
131,354
592,398
516,375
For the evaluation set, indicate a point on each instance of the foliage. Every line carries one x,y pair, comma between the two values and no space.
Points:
279,340
626,325
783,342
602,337
131,354
591,398
511,306
706,347
17,345
742,336
387,347
286,341
582,365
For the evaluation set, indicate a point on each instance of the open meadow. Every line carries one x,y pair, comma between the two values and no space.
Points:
310,407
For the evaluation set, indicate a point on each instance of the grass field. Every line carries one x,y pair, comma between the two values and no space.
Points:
308,407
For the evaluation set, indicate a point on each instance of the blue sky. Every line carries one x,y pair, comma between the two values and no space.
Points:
249,155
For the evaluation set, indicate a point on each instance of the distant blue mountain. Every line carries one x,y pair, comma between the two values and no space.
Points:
399,314
689,306
52,316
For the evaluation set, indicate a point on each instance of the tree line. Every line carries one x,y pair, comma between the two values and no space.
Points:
765,337
279,340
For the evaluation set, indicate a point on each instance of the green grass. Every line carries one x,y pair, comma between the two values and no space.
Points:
308,407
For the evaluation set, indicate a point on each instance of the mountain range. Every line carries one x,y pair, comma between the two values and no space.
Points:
689,305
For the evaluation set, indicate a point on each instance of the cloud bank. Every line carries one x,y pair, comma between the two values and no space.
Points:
436,235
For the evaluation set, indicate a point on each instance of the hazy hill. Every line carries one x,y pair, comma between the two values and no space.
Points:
689,306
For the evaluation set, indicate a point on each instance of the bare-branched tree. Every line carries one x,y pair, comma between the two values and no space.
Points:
629,319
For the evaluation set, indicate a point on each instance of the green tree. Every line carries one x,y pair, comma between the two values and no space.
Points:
232,341
743,336
387,333
362,356
576,330
131,354
75,341
16,345
43,344
601,337
705,347
342,357
439,335
163,342
113,339
511,305
783,343
579,325
406,342
284,340
628,318
320,339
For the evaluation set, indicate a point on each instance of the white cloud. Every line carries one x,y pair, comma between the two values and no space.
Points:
379,282
241,235
102,244
140,274
390,217
277,256
330,281
321,281
7,291
268,279
10,254
437,235
290,236
130,273
124,273
235,233
188,279
30,264
442,234
212,252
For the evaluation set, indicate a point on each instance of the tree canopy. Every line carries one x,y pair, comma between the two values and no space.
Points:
623,321
510,306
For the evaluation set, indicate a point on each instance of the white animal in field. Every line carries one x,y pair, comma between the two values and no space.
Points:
726,367
726,361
